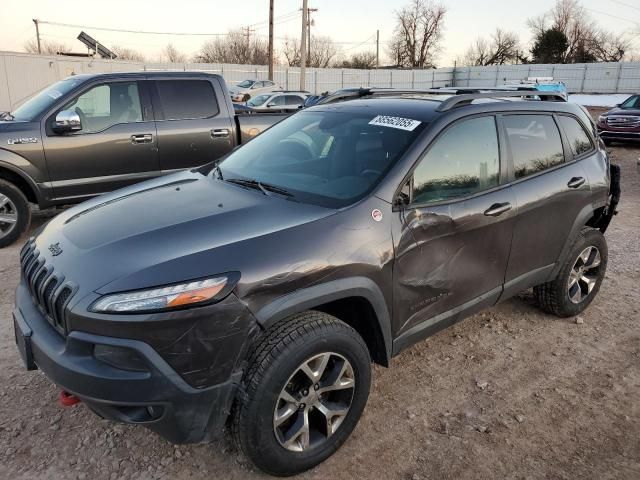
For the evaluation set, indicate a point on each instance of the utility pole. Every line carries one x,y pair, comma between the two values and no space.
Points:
271,40
35,20
309,23
303,45
377,48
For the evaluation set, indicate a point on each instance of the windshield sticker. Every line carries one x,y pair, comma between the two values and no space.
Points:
395,122
54,94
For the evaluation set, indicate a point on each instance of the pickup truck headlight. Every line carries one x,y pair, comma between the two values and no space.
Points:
166,298
602,119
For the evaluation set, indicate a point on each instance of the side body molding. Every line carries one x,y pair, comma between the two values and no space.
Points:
308,298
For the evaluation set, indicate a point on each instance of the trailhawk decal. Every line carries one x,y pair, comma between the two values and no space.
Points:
395,122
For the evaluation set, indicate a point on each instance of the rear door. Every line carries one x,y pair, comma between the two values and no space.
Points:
551,188
117,145
453,246
193,127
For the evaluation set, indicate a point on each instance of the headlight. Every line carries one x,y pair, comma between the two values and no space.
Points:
602,119
166,298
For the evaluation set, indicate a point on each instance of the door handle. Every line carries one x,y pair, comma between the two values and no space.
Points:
497,209
142,138
576,182
220,133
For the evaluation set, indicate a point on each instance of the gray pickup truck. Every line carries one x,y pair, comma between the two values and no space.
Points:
91,134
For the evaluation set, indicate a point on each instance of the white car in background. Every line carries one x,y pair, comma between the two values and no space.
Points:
248,89
284,100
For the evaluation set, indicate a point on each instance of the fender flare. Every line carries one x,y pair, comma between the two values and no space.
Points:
314,296
581,220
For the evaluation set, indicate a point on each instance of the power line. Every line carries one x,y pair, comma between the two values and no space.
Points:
121,30
612,16
626,4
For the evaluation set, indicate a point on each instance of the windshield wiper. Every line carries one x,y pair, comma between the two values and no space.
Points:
263,187
6,116
217,170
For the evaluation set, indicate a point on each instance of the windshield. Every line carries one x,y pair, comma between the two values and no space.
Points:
327,158
245,84
631,102
37,104
259,100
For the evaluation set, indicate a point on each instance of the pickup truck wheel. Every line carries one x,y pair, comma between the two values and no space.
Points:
305,387
579,279
15,214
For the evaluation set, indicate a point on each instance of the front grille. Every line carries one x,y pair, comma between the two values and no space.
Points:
48,289
623,122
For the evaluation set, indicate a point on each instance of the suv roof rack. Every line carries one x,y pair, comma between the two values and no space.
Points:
462,95
467,98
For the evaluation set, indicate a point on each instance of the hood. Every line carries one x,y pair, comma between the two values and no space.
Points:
632,112
166,230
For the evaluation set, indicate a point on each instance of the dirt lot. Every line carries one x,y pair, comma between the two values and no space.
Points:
561,400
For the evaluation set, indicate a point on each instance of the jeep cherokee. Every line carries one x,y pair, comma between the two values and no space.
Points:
255,292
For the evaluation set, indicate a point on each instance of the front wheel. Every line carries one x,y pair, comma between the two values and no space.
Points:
15,215
580,277
305,388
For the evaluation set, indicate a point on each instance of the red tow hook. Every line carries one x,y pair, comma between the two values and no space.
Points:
67,399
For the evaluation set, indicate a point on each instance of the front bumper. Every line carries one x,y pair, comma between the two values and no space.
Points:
156,397
620,135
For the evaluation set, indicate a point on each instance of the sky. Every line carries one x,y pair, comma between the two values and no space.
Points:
351,23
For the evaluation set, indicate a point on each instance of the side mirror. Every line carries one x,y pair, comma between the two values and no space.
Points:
272,104
67,121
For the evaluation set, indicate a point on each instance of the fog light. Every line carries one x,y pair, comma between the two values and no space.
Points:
120,357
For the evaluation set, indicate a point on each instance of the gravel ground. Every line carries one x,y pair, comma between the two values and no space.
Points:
509,393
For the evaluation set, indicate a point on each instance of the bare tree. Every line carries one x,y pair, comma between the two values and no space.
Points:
363,60
173,55
323,52
396,51
418,33
47,47
235,47
502,48
125,53
586,42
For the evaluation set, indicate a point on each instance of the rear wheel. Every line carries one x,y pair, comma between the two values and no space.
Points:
306,386
580,277
15,214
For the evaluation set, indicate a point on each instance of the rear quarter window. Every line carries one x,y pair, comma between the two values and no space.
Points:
578,138
535,143
186,99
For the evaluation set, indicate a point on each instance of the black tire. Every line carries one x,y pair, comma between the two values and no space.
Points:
554,296
20,206
281,351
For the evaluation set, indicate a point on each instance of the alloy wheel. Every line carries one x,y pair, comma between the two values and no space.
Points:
8,215
584,274
314,402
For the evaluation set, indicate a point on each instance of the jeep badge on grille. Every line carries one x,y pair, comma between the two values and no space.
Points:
55,249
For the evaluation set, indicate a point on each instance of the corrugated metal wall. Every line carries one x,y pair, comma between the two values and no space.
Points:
23,74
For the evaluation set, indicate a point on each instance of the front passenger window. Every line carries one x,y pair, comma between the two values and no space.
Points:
106,105
462,161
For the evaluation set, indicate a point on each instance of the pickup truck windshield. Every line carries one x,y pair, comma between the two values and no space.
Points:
331,159
37,104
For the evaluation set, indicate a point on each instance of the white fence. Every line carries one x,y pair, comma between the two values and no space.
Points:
22,74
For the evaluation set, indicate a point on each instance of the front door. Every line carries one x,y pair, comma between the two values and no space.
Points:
453,246
193,129
116,146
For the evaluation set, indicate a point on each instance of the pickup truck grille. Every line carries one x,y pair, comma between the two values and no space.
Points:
623,122
48,289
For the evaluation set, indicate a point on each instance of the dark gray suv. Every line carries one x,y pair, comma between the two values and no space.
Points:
255,292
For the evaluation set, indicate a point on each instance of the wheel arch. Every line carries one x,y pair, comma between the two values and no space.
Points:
357,301
21,180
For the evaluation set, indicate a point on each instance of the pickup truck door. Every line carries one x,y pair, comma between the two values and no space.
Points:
117,145
453,239
194,128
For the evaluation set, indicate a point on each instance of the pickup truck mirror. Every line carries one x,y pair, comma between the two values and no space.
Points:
67,121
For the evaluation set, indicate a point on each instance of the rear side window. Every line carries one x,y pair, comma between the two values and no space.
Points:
578,138
535,143
294,100
462,161
185,99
